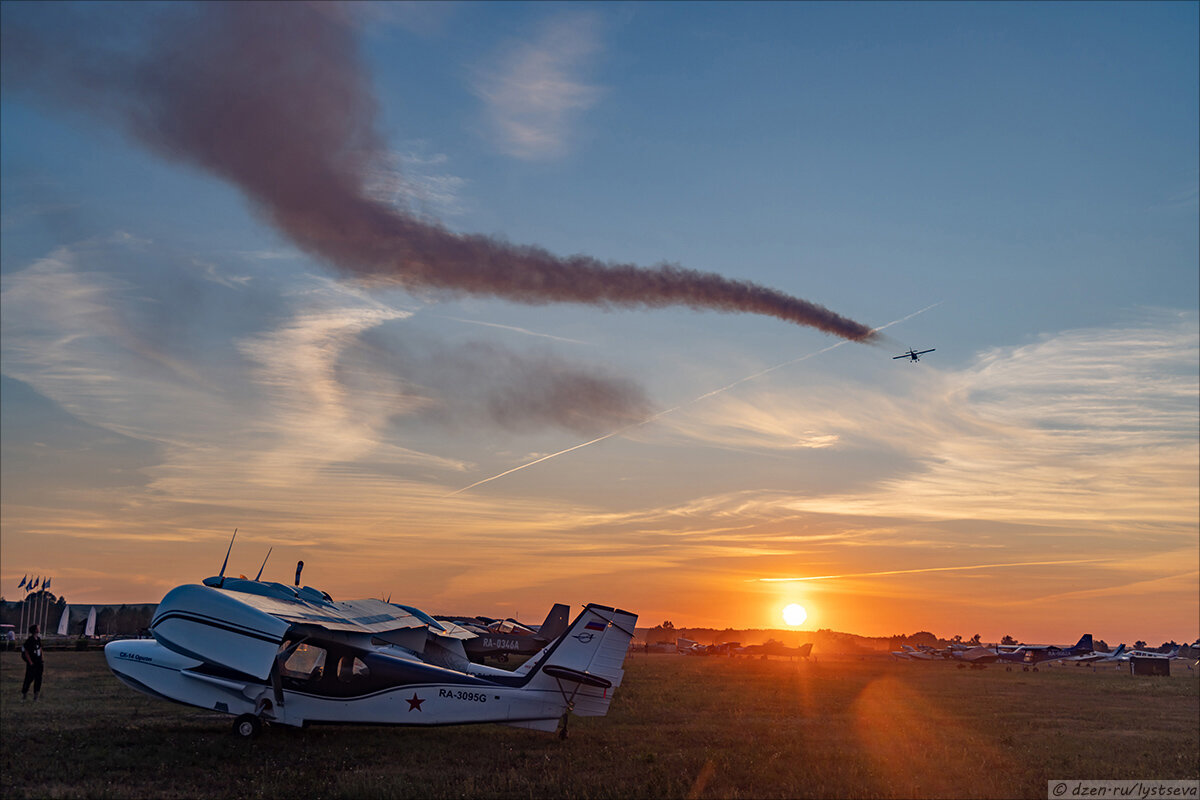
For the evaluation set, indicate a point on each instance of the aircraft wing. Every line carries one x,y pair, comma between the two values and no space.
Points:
242,624
356,616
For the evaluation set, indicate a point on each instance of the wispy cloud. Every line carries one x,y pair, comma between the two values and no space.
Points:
923,570
1085,425
535,90
514,329
417,182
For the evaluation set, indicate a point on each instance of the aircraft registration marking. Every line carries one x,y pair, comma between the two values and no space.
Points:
134,657
471,697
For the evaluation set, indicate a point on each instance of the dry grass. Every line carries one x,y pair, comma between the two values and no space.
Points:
679,727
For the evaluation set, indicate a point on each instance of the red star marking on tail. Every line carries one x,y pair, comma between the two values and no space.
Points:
414,702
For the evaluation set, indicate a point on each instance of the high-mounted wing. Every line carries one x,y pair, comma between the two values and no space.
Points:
241,624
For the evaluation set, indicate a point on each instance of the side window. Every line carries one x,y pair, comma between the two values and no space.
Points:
351,669
307,663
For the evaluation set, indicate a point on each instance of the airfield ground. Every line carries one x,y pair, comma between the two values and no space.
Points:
679,727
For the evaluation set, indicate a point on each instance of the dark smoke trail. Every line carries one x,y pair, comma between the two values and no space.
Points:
272,97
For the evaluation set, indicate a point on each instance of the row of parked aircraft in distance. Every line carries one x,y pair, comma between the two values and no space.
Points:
1026,656
772,648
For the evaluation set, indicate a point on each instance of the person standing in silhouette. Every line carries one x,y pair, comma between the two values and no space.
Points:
31,654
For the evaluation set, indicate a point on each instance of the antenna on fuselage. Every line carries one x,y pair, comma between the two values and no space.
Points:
264,564
225,563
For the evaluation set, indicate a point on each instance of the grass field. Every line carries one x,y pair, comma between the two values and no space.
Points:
678,727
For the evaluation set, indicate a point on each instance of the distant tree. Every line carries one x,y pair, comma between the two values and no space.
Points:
668,625
976,639
1168,645
923,637
1008,640
957,638
1139,645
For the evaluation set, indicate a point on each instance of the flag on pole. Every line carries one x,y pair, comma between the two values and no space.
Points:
46,585
24,580
33,586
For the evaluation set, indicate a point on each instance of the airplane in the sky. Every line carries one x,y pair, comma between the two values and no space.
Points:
500,638
914,355
267,652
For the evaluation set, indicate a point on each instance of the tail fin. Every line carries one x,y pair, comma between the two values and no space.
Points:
1084,643
556,622
585,664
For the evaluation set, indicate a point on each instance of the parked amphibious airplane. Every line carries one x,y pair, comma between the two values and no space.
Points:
264,651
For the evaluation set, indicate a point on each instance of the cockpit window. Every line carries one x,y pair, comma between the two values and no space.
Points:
306,663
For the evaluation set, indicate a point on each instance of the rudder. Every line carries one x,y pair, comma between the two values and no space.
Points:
585,665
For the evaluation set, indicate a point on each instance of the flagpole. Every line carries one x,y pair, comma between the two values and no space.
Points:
45,606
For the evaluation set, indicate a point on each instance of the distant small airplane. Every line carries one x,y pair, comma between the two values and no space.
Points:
914,355
498,638
1128,654
1095,656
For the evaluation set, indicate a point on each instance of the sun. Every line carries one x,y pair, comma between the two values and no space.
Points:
794,614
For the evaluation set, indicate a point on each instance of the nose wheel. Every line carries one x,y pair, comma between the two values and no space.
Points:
247,726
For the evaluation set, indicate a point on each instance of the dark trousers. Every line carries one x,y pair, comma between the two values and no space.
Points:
33,674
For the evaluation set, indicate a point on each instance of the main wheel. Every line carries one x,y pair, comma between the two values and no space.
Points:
247,726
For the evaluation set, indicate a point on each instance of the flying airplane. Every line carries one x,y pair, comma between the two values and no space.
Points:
267,652
500,638
914,355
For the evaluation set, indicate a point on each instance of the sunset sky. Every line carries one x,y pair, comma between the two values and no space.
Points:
197,337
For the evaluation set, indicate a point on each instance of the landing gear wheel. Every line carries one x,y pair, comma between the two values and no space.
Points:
247,726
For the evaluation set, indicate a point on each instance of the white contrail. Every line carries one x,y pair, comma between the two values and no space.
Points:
704,396
926,569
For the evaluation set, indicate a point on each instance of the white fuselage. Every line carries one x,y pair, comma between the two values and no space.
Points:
149,667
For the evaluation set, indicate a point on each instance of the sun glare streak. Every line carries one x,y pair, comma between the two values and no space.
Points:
693,401
918,749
